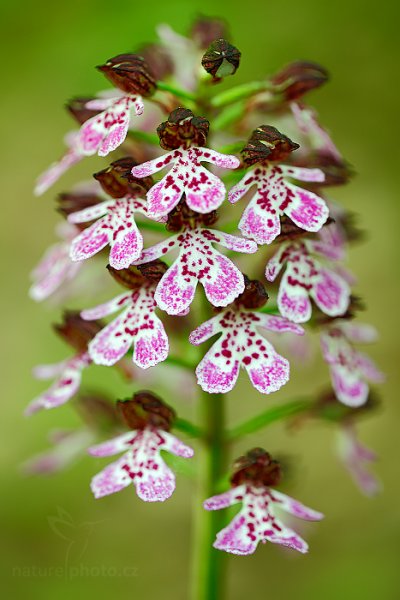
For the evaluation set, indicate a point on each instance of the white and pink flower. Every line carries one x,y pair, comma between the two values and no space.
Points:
350,369
241,345
104,132
56,267
356,458
274,197
204,191
256,522
137,324
198,261
116,227
68,374
57,169
306,277
141,464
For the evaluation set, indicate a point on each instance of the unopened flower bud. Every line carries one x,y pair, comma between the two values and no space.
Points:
182,130
154,270
144,410
221,59
71,202
98,412
158,60
129,278
254,295
130,73
117,180
76,331
256,467
298,78
205,30
267,143
183,216
77,108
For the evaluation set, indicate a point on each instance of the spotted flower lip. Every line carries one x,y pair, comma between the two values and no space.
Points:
241,345
198,261
204,191
55,267
68,374
104,132
306,277
356,458
350,369
256,522
72,156
137,324
141,464
274,197
116,227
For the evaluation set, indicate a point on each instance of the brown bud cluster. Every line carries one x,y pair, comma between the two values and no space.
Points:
118,182
266,143
135,276
182,130
73,201
257,468
146,410
183,216
221,59
298,78
328,407
207,29
254,295
76,331
158,60
97,411
77,108
130,73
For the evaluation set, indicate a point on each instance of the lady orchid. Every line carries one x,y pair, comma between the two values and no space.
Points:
257,521
350,369
305,276
275,196
184,212
141,463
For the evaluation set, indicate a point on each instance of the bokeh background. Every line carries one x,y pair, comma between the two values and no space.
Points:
141,551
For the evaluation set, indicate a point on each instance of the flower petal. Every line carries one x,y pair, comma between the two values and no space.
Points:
91,213
235,539
295,508
56,170
153,166
284,536
331,293
113,478
276,263
164,195
223,282
127,245
277,324
90,241
293,300
306,209
102,310
173,445
118,444
155,484
205,331
234,242
113,342
268,370
225,161
204,191
348,385
242,187
216,373
176,289
232,496
258,222
302,174
151,344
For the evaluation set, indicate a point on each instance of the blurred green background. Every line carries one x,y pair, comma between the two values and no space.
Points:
137,550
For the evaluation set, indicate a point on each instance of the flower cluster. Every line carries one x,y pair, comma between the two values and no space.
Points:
162,216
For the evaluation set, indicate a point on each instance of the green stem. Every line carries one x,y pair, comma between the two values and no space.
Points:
208,573
188,427
144,136
239,92
266,418
151,226
166,87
